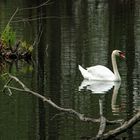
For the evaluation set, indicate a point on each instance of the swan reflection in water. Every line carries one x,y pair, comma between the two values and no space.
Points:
101,88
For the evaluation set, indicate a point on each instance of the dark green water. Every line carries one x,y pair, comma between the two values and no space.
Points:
74,32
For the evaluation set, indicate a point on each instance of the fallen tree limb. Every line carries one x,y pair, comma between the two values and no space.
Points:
80,116
103,121
122,128
44,99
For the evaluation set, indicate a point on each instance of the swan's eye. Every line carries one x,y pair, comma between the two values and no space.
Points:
122,54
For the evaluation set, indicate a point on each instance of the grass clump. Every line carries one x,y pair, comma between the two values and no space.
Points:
8,36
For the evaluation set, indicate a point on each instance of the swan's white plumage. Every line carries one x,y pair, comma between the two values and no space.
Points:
98,72
85,73
102,73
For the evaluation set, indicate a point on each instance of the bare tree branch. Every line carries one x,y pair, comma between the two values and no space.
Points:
49,101
11,18
103,121
36,7
122,128
48,2
38,18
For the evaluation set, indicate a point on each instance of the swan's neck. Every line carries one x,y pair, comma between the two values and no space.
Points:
115,68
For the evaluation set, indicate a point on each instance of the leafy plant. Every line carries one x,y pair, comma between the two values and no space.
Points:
26,46
8,36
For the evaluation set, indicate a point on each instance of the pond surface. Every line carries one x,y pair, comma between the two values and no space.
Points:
80,32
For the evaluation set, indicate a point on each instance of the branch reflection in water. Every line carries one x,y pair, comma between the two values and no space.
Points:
101,88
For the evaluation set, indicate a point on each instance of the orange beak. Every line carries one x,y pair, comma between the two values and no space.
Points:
122,55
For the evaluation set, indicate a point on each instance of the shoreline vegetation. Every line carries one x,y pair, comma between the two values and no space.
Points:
11,47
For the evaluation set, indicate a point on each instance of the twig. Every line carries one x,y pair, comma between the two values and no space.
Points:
11,18
38,18
36,7
57,115
10,92
38,37
5,86
27,8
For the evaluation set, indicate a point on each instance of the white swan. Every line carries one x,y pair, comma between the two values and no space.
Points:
102,73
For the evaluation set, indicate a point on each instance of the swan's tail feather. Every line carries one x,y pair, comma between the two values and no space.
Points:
85,73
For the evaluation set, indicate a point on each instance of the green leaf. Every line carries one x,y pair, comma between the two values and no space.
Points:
8,36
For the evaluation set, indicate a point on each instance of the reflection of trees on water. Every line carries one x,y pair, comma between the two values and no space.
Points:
82,39
95,29
16,65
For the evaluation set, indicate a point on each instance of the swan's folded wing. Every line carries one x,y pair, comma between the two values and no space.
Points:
100,72
85,73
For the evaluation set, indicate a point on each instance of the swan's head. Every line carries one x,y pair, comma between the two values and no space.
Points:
119,53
